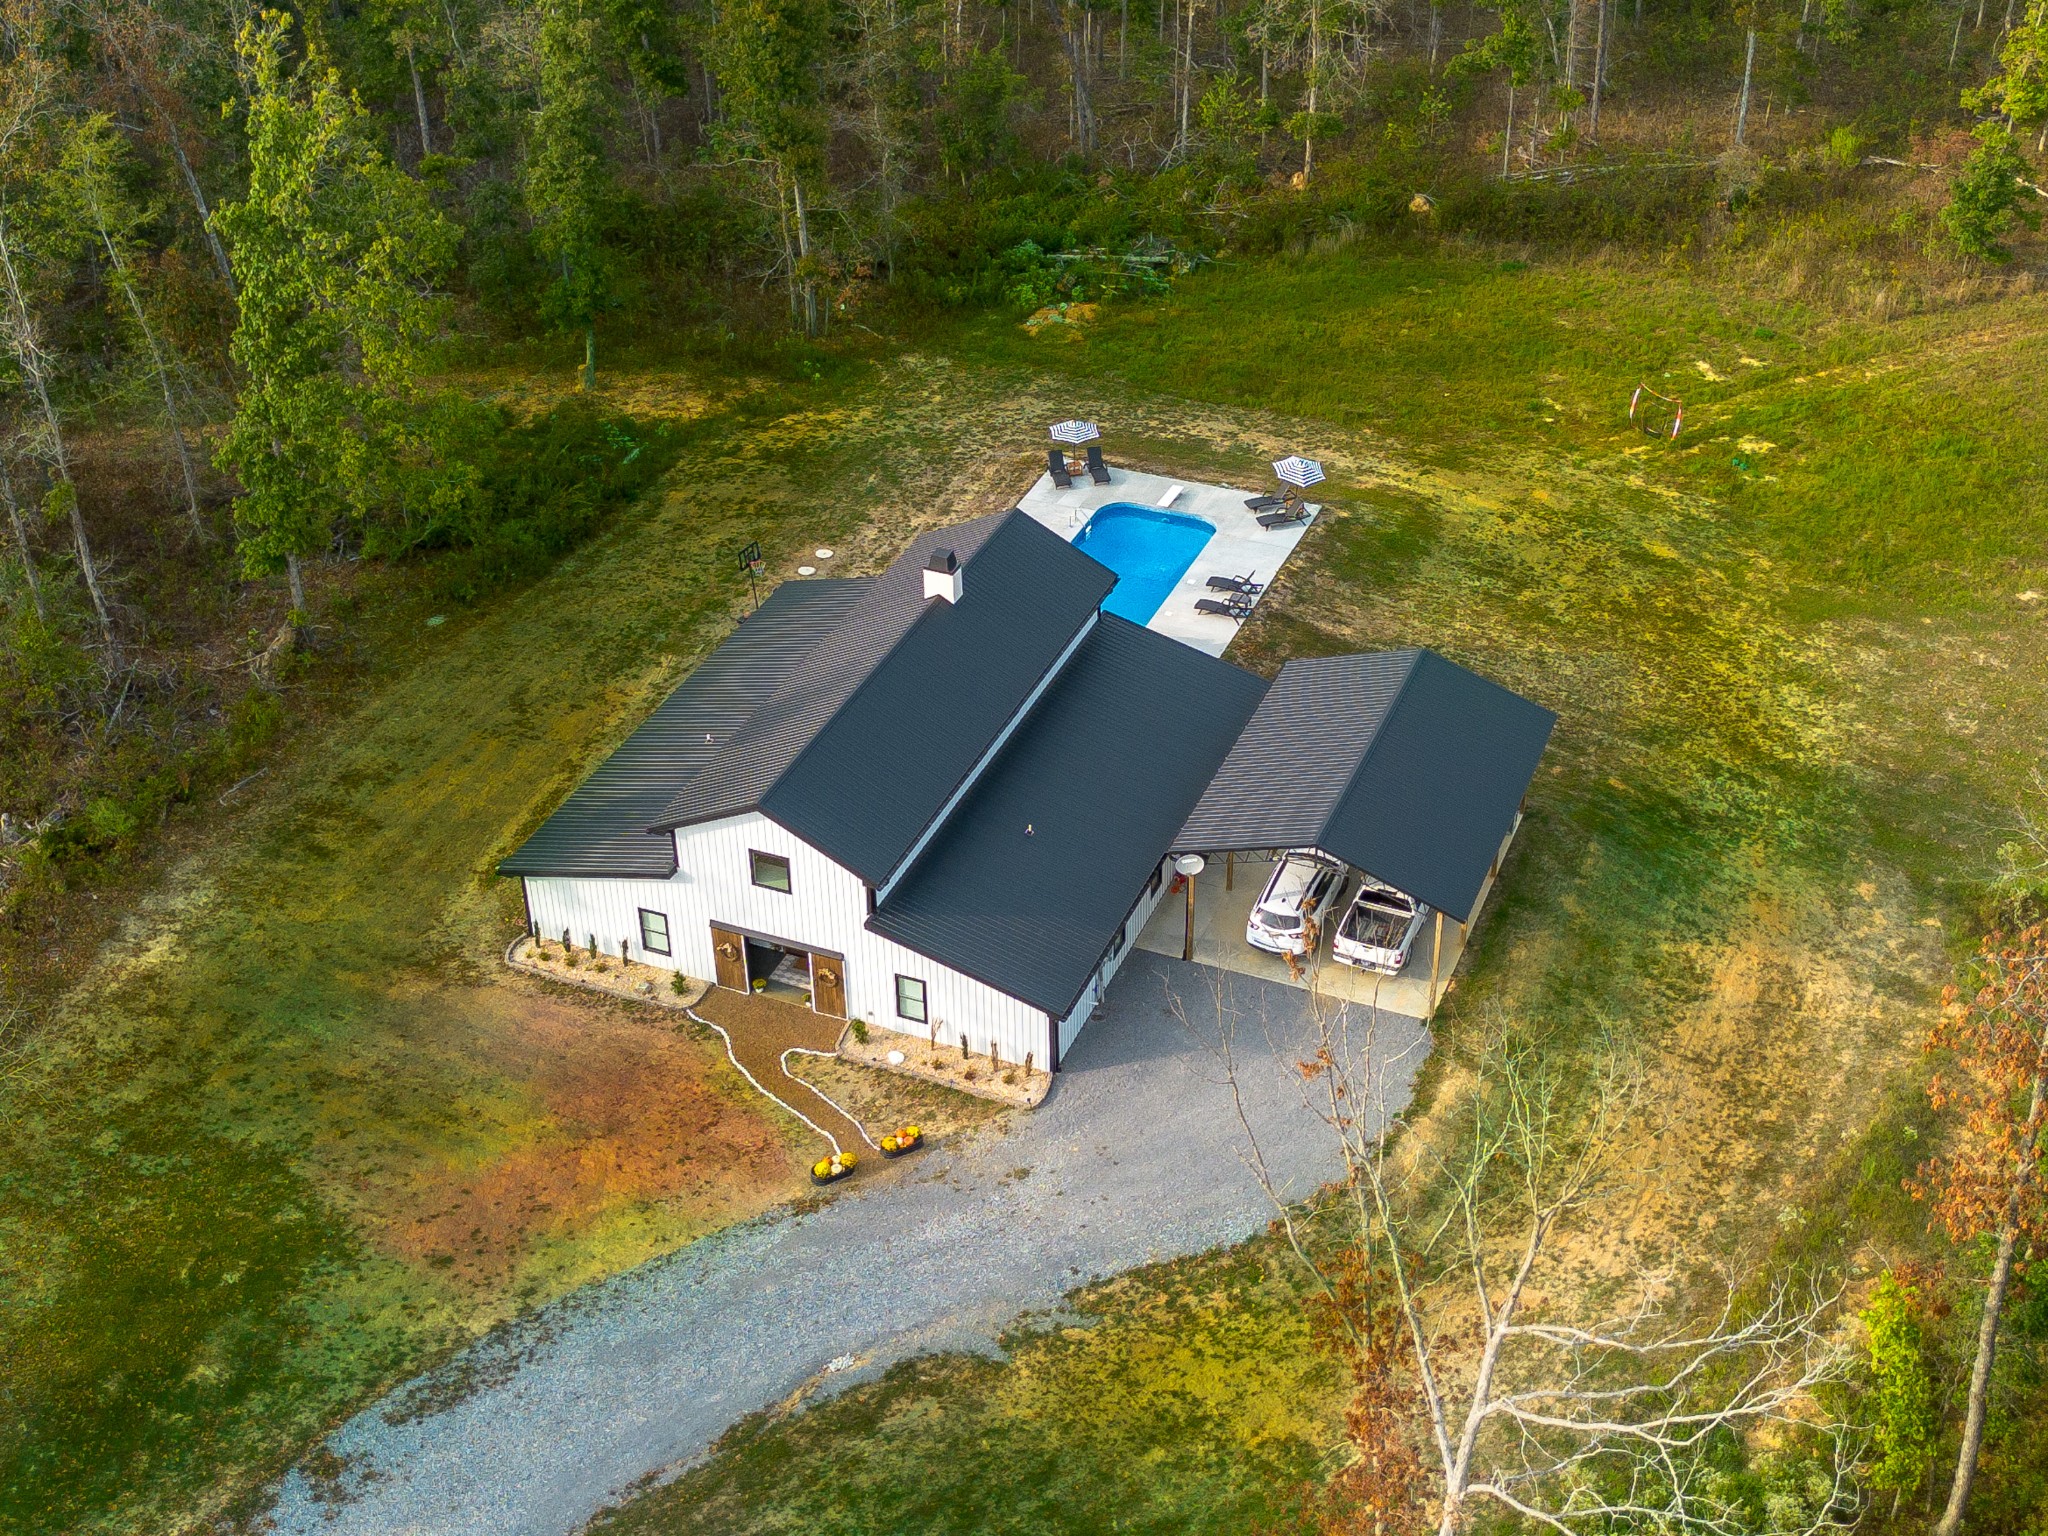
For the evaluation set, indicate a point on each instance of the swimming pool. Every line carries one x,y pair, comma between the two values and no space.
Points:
1149,549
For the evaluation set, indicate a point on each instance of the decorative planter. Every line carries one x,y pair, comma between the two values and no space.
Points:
830,1170
902,1143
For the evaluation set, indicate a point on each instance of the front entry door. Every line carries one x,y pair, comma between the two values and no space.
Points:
828,986
729,955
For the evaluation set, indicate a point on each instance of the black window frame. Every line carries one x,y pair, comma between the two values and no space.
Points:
754,858
924,999
665,947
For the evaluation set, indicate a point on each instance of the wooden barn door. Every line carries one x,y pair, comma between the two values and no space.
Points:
828,986
729,955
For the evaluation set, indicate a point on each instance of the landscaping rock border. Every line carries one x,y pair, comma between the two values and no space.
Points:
946,1067
518,955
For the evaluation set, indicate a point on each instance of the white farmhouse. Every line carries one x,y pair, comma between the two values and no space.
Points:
943,799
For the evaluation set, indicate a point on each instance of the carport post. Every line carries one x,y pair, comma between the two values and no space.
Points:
1229,871
1436,950
1187,866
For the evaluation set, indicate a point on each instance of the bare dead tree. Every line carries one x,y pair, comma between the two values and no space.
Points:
24,551
1575,1424
21,330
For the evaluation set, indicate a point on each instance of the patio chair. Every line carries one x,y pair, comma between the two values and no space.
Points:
1237,608
1243,585
1264,503
1293,512
1097,470
1056,463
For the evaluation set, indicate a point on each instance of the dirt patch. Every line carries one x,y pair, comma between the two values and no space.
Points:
622,1112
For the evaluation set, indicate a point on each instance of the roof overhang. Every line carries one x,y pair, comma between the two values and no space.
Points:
1401,764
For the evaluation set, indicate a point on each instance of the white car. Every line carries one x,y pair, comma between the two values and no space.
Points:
1378,929
1304,885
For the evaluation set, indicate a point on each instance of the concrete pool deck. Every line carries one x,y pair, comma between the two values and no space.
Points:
1240,548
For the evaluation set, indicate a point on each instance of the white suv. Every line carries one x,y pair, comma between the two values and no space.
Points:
1304,885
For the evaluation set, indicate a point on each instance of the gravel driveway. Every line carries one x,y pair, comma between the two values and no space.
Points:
1135,1156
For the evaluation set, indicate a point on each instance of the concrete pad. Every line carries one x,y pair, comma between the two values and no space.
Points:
1240,548
1224,893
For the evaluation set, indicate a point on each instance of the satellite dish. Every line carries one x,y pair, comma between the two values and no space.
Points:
1190,864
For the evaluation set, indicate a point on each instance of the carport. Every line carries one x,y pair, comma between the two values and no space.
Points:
1400,764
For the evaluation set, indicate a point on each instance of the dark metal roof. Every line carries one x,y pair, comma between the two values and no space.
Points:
859,751
1402,764
601,829
1102,771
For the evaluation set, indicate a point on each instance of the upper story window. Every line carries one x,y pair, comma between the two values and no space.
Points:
771,870
654,932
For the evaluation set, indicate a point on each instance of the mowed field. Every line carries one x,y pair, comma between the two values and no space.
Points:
300,1134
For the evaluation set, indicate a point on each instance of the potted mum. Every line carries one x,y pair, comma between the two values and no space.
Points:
830,1170
905,1139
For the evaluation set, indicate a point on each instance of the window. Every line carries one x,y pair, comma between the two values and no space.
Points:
771,870
1116,945
910,999
653,932
1152,885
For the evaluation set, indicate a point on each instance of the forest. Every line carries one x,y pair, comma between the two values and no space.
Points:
385,387
243,249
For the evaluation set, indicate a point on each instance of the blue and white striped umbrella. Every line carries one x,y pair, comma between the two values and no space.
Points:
1075,432
1298,471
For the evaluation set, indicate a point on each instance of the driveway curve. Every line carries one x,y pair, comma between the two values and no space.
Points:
1136,1156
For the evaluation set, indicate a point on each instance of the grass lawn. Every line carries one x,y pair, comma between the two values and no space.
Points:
300,1134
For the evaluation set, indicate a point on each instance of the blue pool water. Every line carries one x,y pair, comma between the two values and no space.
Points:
1149,550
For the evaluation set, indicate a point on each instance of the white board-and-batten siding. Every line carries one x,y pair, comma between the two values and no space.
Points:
826,908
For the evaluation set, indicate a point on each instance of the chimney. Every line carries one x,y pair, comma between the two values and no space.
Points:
942,576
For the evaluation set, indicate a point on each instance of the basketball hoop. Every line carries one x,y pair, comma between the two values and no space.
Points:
1656,415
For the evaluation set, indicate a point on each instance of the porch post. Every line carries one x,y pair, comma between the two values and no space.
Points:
1187,948
1436,952
1229,871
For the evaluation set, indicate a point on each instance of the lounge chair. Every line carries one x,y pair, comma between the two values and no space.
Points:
1293,512
1243,585
1056,463
1264,503
1097,470
1237,608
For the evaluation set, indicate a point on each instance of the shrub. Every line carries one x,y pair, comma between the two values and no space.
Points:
860,1031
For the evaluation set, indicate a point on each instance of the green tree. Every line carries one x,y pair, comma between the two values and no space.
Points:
2018,92
39,247
335,253
568,185
90,174
769,57
1514,50
1991,194
974,117
1905,1426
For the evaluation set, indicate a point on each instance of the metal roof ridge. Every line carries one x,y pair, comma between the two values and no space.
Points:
923,611
1415,654
927,610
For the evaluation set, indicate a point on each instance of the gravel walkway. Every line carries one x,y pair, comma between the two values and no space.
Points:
757,1031
1136,1156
